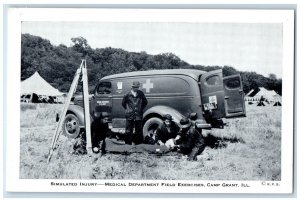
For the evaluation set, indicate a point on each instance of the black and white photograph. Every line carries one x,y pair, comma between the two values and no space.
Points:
156,102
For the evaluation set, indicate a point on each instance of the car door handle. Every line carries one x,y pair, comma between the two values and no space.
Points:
110,96
226,97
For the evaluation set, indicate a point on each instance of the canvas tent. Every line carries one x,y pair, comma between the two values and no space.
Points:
261,92
277,103
261,103
36,85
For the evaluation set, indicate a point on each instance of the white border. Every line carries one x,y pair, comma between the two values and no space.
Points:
15,16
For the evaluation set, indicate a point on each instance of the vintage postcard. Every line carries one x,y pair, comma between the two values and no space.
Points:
150,101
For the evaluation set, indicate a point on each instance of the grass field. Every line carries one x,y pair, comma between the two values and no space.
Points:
247,149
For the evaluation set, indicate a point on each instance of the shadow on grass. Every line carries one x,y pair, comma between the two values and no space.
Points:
218,142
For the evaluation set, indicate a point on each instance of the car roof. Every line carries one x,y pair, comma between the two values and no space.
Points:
194,73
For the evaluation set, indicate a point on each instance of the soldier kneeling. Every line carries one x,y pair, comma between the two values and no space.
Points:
189,141
167,130
100,130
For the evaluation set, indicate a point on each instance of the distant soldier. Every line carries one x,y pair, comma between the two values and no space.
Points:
190,142
100,131
167,130
134,103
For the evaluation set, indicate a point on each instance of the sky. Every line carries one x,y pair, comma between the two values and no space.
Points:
245,46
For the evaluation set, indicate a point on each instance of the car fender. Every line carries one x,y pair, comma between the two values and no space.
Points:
79,112
162,110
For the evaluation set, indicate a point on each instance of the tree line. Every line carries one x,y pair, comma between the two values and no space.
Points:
58,64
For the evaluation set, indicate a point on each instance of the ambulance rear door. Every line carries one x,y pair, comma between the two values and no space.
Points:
212,94
234,96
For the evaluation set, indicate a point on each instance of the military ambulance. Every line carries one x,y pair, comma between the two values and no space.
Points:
205,97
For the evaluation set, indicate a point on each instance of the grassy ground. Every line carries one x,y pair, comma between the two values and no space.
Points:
248,149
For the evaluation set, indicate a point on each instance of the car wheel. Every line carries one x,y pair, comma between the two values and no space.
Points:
151,125
71,126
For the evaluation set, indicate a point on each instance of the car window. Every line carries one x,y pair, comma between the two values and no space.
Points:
233,83
214,80
104,88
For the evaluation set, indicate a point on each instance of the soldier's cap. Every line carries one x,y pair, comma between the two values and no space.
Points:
167,117
104,115
185,123
136,84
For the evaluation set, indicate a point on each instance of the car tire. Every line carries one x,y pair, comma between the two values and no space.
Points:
151,125
71,127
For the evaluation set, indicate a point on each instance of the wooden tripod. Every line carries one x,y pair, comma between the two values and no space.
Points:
81,71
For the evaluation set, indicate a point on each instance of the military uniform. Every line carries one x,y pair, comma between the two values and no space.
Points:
100,130
191,141
164,133
134,106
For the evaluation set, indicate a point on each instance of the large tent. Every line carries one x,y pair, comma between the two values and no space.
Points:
36,90
36,84
261,92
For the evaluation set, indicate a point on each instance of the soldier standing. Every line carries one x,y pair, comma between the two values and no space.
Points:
134,103
189,140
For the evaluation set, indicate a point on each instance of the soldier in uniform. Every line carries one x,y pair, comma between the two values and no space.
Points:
167,130
190,142
134,103
100,130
